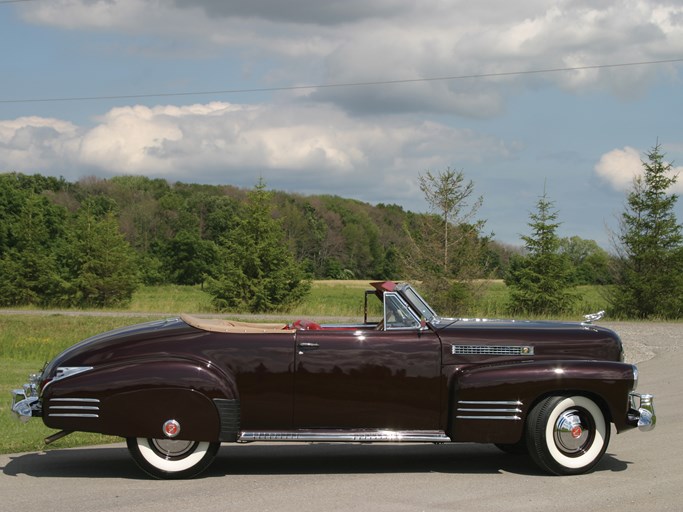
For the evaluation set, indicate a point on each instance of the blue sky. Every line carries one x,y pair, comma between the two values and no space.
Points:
120,77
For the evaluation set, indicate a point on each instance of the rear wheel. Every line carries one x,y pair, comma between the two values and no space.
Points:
172,458
567,435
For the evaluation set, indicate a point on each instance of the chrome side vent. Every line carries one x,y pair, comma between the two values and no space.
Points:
489,410
73,408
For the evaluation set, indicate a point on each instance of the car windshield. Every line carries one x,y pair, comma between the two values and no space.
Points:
418,303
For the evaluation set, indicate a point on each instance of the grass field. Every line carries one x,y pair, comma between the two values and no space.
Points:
27,341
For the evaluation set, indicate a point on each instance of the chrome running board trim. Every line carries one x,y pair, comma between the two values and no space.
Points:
347,436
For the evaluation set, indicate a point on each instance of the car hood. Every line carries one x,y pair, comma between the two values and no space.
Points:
548,339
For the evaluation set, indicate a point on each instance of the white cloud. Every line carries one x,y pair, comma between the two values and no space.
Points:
36,143
318,149
360,41
619,167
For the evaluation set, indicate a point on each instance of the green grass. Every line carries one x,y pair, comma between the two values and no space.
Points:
27,341
495,296
171,299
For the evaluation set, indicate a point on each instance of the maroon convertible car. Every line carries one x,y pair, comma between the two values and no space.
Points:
177,388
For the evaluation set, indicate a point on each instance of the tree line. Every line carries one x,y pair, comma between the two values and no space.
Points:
92,242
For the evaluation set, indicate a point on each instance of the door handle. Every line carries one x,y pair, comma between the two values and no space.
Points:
304,346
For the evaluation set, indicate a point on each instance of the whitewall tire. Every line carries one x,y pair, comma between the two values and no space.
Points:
172,458
567,435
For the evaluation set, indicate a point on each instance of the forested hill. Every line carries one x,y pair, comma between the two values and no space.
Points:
174,228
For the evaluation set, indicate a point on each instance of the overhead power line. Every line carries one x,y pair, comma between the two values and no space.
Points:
338,85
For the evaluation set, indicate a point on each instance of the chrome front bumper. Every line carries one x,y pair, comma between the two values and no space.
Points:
642,411
25,402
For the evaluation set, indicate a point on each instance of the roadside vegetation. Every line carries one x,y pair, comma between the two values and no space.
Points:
100,243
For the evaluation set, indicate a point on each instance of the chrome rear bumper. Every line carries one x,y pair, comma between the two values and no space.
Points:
25,402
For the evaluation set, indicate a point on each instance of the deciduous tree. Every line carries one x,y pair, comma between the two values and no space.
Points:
447,245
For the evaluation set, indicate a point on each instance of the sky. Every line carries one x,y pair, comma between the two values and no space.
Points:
352,98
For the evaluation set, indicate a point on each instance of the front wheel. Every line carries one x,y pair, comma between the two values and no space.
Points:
171,458
567,435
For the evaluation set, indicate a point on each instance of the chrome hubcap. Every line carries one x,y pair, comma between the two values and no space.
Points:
573,432
172,448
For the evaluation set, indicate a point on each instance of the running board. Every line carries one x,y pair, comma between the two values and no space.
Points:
347,436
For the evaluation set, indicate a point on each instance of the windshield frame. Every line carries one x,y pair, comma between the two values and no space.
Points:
416,301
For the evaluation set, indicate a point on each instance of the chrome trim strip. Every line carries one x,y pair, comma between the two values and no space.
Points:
513,418
506,407
490,402
360,436
93,400
75,407
473,409
74,415
492,350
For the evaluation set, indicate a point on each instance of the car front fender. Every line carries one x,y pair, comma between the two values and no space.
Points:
490,403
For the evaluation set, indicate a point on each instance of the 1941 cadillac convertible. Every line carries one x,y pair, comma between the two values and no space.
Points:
176,389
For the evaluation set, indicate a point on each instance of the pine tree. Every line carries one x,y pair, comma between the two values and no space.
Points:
540,282
98,263
649,269
258,272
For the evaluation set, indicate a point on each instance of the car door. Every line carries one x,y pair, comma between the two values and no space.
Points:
387,378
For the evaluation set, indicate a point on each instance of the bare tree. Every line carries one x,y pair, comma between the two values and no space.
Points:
447,194
448,245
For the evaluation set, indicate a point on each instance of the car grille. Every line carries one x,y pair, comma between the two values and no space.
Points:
492,350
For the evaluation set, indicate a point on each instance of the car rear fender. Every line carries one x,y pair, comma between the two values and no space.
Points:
490,403
137,399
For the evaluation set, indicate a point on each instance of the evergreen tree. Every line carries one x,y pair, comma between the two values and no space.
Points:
649,269
257,271
28,272
189,259
98,263
539,282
